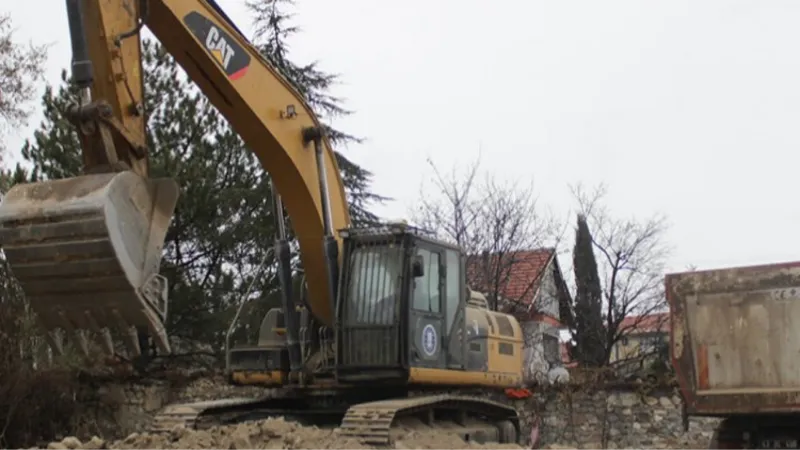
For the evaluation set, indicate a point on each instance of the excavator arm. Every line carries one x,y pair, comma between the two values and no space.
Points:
87,249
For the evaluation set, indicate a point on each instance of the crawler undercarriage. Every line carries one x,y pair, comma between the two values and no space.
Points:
372,416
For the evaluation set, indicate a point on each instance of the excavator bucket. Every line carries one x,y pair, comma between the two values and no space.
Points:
87,251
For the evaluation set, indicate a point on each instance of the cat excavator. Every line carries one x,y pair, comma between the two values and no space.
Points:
387,336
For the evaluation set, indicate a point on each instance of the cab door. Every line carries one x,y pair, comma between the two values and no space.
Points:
427,344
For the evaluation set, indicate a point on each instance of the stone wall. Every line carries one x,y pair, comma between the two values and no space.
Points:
571,417
115,409
614,418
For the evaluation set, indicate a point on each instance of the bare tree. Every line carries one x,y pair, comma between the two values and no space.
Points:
494,222
504,236
631,256
21,67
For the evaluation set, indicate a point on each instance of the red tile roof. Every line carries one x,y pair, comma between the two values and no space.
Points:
645,324
517,274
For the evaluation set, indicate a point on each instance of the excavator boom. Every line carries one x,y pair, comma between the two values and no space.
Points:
87,249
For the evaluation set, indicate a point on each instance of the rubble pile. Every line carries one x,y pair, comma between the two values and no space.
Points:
266,434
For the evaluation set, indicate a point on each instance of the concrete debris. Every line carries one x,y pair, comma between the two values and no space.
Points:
266,434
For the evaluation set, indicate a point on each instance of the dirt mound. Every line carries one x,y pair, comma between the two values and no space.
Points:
270,433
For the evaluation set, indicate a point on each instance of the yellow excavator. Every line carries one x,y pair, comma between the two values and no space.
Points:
388,334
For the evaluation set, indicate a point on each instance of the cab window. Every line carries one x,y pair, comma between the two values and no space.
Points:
427,288
453,290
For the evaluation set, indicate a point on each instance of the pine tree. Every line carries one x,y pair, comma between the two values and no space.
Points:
272,31
590,339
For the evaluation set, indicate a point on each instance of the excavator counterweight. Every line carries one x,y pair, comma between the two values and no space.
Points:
87,252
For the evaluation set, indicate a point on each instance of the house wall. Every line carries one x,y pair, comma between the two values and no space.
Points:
535,363
636,344
547,301
542,349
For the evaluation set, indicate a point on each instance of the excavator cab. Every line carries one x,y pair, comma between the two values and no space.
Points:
87,252
394,312
398,297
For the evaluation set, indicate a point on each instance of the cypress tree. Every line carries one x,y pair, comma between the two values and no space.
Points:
589,336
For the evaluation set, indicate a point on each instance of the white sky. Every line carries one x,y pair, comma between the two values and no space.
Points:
689,108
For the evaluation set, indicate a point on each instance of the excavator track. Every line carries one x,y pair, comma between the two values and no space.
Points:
206,414
376,423
188,415
470,417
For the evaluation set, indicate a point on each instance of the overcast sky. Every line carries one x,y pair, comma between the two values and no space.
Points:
688,108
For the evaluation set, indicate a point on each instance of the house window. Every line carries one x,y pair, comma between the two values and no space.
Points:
552,350
652,342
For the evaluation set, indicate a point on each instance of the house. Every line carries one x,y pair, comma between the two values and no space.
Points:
643,337
528,284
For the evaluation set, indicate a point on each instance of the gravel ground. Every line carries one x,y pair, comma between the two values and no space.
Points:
266,434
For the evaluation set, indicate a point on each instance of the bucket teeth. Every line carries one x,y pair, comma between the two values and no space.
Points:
86,251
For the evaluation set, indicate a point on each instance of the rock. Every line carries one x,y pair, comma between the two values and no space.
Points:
240,441
71,442
95,443
628,399
153,400
651,401
56,446
177,432
666,402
